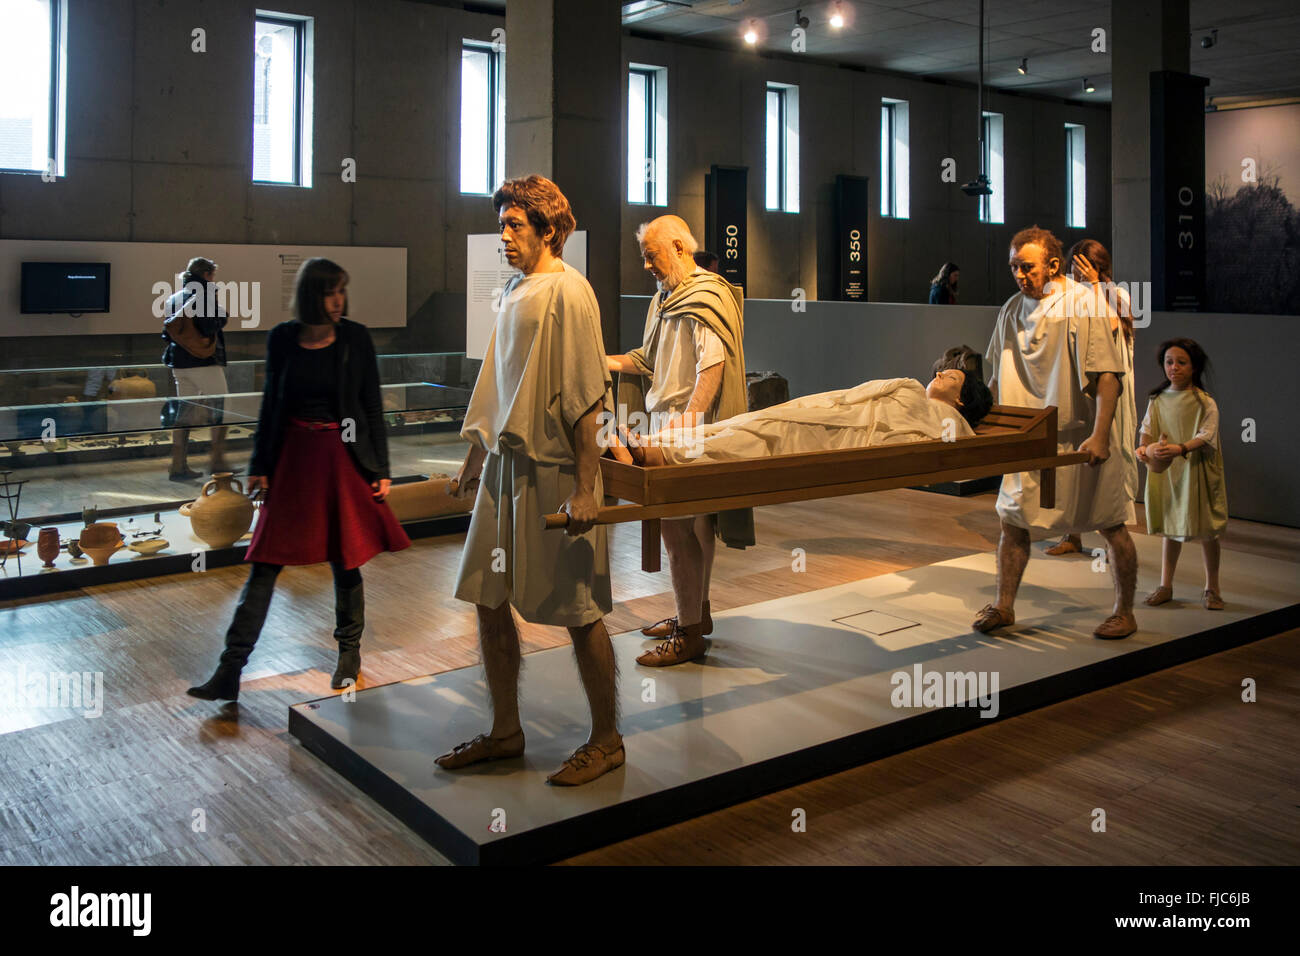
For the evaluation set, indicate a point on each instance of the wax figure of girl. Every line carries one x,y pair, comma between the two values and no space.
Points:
321,457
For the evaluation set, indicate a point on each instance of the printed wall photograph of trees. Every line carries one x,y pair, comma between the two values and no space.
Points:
1252,216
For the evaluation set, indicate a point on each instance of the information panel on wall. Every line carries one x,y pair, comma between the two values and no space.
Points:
726,195
851,236
1177,191
486,275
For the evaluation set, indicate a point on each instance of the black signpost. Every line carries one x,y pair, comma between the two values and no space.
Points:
1177,191
726,204
851,237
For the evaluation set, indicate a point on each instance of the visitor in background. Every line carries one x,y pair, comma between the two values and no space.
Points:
196,376
943,287
321,456
706,260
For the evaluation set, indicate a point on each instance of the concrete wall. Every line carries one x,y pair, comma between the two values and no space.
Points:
716,115
839,344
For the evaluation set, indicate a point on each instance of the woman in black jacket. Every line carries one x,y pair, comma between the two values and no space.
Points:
321,440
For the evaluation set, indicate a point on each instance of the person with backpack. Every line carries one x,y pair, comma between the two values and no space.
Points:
196,355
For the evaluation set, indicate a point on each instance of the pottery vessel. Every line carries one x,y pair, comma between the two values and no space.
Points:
148,545
222,513
47,546
426,499
100,540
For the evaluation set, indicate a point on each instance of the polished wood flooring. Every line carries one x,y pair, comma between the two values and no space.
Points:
1185,771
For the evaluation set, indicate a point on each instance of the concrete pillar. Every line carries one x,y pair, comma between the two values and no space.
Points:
564,97
1145,36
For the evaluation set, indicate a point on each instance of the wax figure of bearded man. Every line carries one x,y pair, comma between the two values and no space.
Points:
1052,345
693,353
532,425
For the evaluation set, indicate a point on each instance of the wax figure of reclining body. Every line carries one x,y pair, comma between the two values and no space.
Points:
879,412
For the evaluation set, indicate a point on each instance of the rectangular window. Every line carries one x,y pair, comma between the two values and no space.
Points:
782,179
894,181
991,207
33,82
1076,180
482,117
282,98
647,135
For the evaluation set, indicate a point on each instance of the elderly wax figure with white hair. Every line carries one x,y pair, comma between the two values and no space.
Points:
694,356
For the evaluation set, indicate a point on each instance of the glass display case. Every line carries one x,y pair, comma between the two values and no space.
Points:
106,443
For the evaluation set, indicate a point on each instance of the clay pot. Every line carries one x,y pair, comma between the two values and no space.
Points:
47,546
132,386
100,540
220,514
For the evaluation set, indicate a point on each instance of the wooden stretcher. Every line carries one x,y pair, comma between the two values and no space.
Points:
1010,439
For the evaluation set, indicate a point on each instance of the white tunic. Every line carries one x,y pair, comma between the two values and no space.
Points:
685,348
1051,351
880,412
543,369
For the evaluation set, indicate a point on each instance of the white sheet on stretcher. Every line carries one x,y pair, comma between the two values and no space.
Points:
880,412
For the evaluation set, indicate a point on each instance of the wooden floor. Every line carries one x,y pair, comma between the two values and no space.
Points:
1185,771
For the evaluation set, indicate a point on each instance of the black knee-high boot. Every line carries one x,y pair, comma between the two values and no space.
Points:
350,621
250,615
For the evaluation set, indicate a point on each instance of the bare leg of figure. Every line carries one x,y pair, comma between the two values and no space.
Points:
708,545
499,645
1013,555
1212,599
217,450
1122,555
180,447
1170,551
686,565
596,666
603,750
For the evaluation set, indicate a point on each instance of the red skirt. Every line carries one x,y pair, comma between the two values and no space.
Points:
320,508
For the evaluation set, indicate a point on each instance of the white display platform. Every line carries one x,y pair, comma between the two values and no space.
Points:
791,689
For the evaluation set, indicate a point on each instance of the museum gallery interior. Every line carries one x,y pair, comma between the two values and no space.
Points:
657,432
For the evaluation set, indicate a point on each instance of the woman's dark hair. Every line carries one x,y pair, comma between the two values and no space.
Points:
316,278
976,399
1200,363
942,278
543,203
1099,257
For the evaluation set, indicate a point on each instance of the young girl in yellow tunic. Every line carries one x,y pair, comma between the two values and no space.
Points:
1186,499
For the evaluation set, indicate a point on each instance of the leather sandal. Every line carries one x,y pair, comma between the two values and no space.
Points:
683,646
1064,546
587,763
1161,595
666,627
482,748
990,618
1116,626
1212,600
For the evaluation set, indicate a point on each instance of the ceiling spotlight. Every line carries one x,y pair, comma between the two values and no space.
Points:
1023,68
800,20
837,18
751,35
1209,41
1088,87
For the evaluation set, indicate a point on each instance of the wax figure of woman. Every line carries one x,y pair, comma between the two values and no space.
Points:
1090,265
879,412
321,457
1186,497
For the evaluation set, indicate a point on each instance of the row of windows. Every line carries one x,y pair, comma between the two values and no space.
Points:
33,80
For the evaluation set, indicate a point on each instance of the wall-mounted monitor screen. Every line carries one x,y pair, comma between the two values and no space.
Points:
64,287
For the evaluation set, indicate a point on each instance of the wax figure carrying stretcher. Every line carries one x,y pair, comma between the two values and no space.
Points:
879,412
531,424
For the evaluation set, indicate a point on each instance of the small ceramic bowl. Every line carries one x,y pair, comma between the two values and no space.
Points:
148,545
